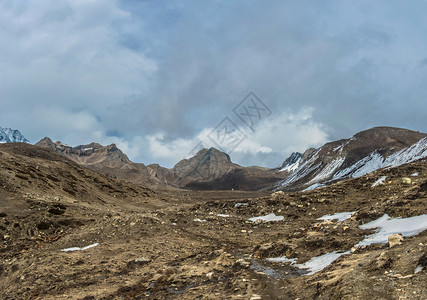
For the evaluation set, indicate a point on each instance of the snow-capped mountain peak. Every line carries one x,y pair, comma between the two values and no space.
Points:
291,163
8,135
363,153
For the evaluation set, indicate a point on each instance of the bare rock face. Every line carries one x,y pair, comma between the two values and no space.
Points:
212,169
206,165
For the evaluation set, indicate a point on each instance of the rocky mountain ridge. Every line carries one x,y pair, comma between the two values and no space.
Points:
9,135
361,154
208,169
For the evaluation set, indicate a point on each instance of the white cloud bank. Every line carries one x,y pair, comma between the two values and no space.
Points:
277,136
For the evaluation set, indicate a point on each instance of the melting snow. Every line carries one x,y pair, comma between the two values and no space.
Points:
314,186
369,163
282,259
375,161
223,215
338,216
418,269
78,248
318,263
379,181
388,226
267,218
199,220
328,170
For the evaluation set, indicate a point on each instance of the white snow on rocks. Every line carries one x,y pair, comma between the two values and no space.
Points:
79,248
387,226
318,263
267,218
282,259
223,215
315,186
368,164
291,167
338,216
379,181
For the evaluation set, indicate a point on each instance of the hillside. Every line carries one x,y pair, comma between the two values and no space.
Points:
70,233
363,153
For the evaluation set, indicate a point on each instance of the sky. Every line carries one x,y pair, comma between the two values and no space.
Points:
256,79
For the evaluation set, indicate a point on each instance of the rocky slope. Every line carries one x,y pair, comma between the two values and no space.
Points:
213,169
365,152
111,161
203,244
208,169
8,135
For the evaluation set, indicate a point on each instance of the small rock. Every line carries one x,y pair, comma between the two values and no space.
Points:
243,263
395,239
255,297
321,200
418,269
266,247
141,260
406,180
277,195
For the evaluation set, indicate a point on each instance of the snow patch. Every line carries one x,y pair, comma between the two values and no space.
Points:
241,204
338,216
78,248
292,167
282,259
199,220
267,218
318,263
379,181
387,226
315,186
328,170
223,215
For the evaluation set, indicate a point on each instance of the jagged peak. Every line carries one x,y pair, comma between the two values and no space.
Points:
9,135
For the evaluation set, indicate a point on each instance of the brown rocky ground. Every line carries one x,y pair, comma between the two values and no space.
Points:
150,245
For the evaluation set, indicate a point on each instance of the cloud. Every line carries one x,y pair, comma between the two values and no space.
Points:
273,140
155,76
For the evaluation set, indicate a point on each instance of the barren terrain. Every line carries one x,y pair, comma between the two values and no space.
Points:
198,245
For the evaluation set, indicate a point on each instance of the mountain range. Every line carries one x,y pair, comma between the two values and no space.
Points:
208,169
211,169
